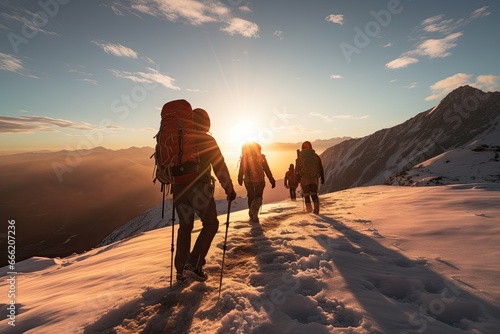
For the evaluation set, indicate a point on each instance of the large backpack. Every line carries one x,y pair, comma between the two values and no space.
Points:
175,153
309,166
252,162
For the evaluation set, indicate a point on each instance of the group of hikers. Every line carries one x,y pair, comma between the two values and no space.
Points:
194,193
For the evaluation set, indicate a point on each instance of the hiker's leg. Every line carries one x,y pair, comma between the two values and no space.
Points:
185,212
314,196
306,189
251,196
257,201
204,205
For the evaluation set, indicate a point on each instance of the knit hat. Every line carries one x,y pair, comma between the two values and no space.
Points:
201,120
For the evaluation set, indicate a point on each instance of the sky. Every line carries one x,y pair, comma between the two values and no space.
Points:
78,74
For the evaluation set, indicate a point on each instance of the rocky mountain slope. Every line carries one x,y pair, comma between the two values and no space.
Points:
464,115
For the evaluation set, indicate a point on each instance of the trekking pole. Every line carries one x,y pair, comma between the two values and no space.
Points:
225,245
172,245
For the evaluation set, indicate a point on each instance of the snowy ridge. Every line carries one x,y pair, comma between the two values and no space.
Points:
464,114
378,259
477,161
151,219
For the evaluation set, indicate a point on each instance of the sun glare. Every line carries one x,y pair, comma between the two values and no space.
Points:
242,132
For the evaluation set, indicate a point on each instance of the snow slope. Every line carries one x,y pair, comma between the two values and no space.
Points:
477,161
378,259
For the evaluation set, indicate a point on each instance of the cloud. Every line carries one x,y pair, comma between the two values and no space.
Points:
336,76
13,64
328,118
237,26
480,12
335,18
91,81
443,87
10,63
401,62
278,34
488,83
153,76
432,48
194,13
29,124
116,49
22,19
436,47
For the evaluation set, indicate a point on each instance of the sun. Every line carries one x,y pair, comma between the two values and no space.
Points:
242,132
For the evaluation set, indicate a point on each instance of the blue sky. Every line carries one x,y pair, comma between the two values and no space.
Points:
77,74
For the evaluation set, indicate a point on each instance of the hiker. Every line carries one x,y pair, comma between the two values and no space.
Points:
253,166
197,196
291,182
310,170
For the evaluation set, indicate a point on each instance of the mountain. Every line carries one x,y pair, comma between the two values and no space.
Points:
67,201
374,261
319,145
465,115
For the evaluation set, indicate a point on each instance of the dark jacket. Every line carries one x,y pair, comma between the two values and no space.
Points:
291,179
210,156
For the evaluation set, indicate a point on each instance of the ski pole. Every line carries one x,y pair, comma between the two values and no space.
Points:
225,245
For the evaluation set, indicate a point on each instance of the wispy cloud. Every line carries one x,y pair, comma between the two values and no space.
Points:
484,82
14,64
10,63
193,12
335,18
336,76
91,81
436,47
279,34
329,118
18,19
152,76
116,49
29,124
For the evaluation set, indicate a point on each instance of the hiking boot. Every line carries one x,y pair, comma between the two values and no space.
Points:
316,207
180,278
309,208
195,273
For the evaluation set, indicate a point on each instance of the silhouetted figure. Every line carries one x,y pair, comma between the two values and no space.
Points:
253,166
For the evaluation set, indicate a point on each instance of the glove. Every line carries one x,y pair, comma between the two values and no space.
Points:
231,196
322,181
273,183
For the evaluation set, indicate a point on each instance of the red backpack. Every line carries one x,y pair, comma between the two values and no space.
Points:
175,153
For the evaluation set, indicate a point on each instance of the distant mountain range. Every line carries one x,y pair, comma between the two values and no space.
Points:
319,145
467,119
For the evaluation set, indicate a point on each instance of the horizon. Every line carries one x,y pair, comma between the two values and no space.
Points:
269,72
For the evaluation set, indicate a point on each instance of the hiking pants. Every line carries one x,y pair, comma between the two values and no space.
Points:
254,190
188,200
309,189
293,192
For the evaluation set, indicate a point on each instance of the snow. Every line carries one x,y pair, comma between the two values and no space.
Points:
377,259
